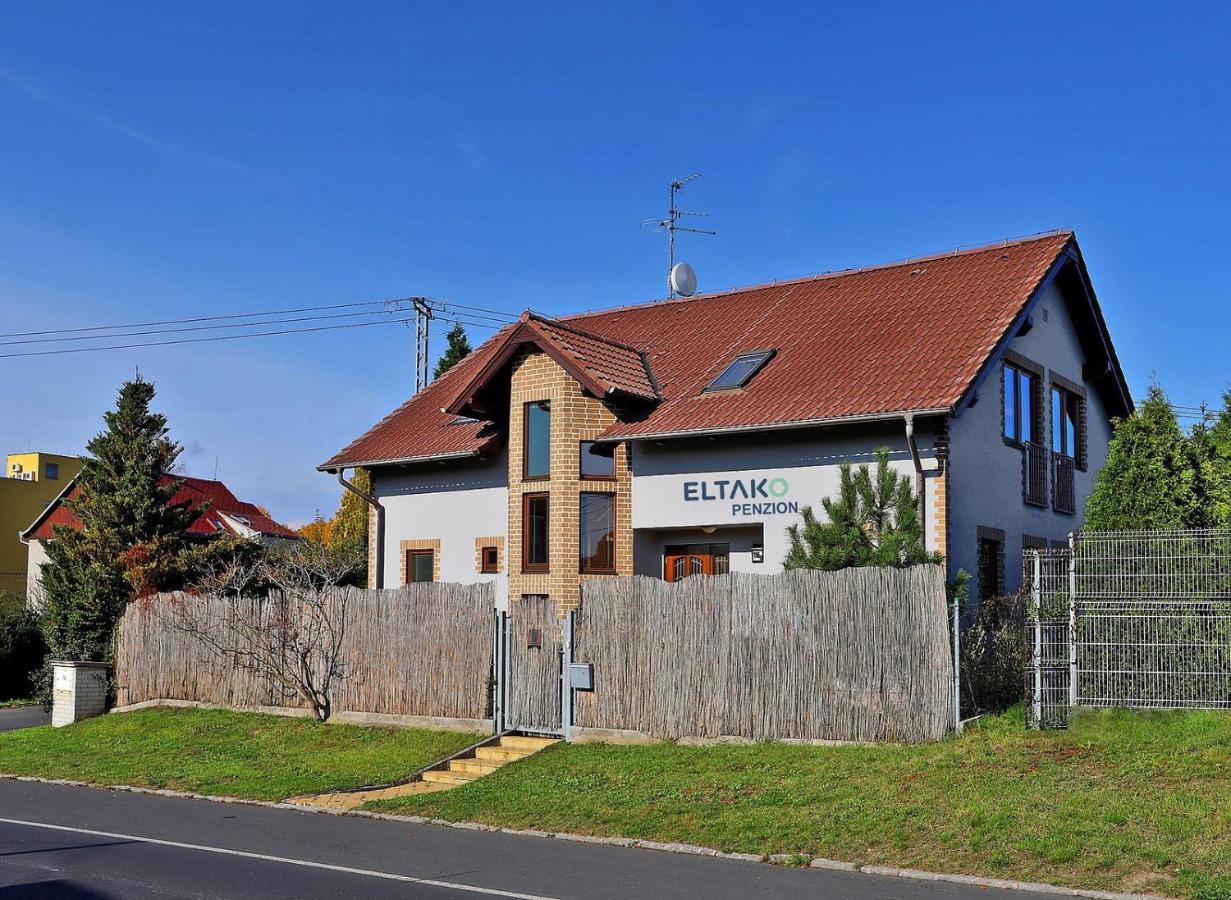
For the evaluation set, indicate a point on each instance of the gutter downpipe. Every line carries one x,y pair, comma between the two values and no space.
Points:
378,580
914,455
958,724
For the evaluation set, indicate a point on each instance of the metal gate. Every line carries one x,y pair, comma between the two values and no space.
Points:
1133,619
529,667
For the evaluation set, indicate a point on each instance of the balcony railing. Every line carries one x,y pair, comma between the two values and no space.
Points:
1034,474
1064,493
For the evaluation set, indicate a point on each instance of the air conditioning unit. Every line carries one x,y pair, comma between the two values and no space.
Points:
16,467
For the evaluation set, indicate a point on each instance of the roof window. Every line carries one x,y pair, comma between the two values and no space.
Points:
740,370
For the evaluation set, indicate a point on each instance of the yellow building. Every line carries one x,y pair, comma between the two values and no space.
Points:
29,483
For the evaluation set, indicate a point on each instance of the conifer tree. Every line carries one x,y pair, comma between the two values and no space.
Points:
1213,449
873,521
458,348
1151,479
131,541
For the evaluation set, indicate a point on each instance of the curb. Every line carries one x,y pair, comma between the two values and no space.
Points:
803,860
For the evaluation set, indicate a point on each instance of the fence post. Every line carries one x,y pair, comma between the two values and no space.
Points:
497,671
566,679
1072,618
1036,657
957,663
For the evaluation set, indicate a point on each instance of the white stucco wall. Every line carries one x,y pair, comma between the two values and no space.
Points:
986,475
36,555
454,503
681,486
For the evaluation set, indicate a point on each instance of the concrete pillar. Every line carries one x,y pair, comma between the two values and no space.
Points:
79,691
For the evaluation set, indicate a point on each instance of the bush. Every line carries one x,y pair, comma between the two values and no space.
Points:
21,653
994,655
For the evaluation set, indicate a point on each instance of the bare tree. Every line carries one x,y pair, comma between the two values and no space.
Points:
281,614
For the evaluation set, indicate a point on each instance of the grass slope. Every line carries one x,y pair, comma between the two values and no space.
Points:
1123,801
224,753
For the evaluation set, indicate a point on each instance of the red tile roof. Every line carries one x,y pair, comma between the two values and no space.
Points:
909,336
195,491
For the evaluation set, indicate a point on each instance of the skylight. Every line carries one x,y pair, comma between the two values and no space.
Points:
740,370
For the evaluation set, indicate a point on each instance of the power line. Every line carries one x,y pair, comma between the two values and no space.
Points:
124,334
233,337
203,340
217,318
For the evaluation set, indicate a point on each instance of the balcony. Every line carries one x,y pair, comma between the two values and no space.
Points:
1064,492
1034,474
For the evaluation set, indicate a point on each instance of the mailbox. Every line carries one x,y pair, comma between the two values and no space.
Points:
581,676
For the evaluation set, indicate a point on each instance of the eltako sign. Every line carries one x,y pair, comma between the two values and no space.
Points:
747,496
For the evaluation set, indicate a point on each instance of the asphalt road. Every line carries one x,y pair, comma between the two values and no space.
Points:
23,717
71,842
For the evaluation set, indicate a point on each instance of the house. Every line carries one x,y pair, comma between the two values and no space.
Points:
683,437
30,481
224,515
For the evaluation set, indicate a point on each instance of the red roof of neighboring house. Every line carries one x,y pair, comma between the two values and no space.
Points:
195,491
906,337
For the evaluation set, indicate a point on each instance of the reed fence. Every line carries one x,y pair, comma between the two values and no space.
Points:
420,650
858,655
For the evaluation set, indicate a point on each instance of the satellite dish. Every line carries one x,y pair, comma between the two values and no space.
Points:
683,279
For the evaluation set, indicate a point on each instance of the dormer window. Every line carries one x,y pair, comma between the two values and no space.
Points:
740,371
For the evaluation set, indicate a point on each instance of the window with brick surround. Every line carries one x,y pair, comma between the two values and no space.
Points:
420,565
536,518
990,561
597,533
1022,399
1068,423
491,560
537,436
596,461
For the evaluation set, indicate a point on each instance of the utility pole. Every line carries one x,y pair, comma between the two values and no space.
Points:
423,318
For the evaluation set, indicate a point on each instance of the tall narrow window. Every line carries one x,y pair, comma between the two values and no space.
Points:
596,460
991,563
535,521
598,533
420,566
537,440
1066,422
1021,398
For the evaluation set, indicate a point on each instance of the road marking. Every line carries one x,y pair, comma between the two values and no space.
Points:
391,876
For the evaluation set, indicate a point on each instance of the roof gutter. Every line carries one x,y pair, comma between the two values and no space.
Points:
782,426
378,577
400,461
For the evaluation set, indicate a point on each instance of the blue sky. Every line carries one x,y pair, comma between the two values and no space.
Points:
161,161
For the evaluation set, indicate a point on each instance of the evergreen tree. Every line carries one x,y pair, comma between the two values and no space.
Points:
1152,478
459,347
131,541
873,521
1212,441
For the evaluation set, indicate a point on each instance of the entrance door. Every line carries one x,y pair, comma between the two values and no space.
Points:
685,560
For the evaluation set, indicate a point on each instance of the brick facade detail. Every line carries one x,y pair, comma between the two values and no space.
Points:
575,417
482,542
432,544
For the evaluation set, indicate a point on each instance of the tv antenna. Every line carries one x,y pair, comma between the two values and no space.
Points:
671,225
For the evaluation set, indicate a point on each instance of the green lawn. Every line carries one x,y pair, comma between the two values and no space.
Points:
1123,801
224,753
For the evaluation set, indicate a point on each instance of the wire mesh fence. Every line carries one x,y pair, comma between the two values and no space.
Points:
1138,618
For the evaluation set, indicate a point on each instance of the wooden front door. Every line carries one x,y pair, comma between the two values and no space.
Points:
685,560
